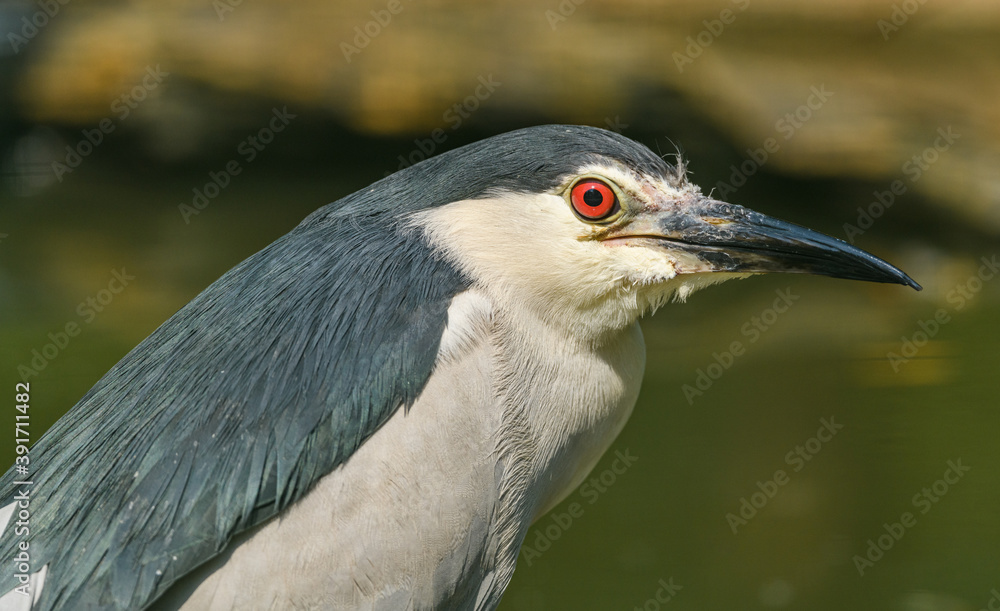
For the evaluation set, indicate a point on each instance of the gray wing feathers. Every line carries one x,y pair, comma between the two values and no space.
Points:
233,408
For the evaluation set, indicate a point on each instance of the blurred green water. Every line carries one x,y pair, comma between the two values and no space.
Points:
664,517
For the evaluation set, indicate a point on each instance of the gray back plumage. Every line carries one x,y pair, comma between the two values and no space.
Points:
233,408
267,380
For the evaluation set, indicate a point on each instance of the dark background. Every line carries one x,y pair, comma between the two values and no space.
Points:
841,96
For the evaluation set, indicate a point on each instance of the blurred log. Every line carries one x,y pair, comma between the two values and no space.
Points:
894,73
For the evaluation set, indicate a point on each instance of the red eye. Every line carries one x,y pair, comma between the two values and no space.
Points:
593,199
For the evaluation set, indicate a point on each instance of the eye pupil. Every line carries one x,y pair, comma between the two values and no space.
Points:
593,197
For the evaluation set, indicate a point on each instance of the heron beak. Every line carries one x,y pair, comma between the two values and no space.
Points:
713,236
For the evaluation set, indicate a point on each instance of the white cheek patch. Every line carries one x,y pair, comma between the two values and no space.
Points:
530,252
641,265
530,244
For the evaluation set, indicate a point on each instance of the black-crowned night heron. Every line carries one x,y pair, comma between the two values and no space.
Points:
370,412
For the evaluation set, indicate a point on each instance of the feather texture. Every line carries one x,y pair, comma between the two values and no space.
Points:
269,379
232,409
